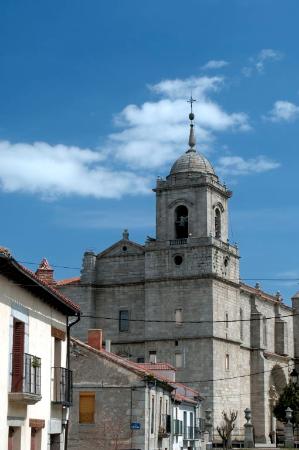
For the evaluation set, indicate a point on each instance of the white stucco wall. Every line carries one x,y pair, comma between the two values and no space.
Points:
39,317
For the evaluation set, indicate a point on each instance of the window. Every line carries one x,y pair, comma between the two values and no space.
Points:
153,415
123,320
226,320
18,356
185,424
241,325
86,407
181,222
36,436
226,362
178,259
217,223
178,360
265,331
153,356
161,411
178,316
191,424
140,359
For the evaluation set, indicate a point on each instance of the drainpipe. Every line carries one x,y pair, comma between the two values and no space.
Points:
68,364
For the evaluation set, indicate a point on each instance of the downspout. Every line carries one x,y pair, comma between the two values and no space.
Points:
68,364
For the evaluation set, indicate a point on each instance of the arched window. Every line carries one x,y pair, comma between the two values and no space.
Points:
217,223
181,222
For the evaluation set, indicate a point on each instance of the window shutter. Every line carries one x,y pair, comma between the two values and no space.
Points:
18,356
87,407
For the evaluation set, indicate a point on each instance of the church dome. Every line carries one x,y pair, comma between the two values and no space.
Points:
192,161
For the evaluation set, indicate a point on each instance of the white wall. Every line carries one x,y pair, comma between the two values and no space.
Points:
39,317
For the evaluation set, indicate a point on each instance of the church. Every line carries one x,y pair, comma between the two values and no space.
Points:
179,299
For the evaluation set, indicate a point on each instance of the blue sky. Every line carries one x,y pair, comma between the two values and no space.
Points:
93,108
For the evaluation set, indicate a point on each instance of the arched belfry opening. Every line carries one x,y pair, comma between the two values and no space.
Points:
181,222
217,223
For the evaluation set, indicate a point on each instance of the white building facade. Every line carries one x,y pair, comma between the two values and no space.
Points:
35,383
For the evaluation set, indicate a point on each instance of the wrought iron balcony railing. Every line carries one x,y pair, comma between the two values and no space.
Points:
191,433
25,378
62,387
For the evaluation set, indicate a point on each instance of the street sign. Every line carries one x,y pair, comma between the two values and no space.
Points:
135,426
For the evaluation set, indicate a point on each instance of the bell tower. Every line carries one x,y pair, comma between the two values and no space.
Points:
191,202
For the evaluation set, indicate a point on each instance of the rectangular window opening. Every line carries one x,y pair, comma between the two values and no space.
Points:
153,356
179,316
124,320
178,360
226,362
86,407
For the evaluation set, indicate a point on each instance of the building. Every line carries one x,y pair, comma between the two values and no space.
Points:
120,404
188,425
179,299
35,380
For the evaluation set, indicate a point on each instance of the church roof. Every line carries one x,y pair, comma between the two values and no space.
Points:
192,161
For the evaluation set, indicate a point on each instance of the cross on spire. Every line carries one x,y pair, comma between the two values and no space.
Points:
191,101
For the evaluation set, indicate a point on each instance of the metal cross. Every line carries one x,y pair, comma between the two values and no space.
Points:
191,101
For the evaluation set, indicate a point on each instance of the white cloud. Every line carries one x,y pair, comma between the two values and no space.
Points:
257,64
236,165
156,132
199,86
283,111
148,138
214,64
51,171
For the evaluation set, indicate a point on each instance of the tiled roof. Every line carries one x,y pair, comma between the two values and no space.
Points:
130,365
262,294
157,366
11,267
180,391
67,281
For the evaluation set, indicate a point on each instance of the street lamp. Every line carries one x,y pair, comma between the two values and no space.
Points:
294,376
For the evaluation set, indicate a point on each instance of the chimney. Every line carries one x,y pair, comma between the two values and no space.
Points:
95,339
108,345
45,272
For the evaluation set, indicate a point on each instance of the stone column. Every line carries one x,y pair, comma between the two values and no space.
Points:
288,429
248,428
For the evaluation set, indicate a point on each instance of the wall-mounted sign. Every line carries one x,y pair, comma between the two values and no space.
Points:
135,426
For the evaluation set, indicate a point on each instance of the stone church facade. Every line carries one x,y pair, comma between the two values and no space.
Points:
179,299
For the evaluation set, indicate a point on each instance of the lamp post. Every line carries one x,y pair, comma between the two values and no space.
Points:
294,376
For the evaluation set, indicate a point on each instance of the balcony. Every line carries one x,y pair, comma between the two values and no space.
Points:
182,241
61,386
25,378
165,426
191,433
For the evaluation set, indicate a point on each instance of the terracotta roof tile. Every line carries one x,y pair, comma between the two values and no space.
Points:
67,281
49,288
